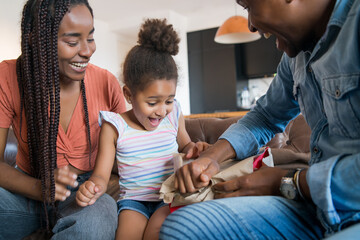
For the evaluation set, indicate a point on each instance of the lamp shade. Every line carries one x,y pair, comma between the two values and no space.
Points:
235,30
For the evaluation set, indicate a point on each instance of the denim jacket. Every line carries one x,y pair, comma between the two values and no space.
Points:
324,85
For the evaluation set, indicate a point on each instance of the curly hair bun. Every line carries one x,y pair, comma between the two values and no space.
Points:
160,36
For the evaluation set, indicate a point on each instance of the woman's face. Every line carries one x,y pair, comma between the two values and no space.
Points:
154,103
75,43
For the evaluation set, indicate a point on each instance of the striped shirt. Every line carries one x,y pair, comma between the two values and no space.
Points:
144,158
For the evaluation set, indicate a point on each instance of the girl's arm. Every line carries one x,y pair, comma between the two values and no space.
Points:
183,137
92,189
191,149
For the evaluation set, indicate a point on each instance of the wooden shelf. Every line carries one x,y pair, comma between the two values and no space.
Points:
217,115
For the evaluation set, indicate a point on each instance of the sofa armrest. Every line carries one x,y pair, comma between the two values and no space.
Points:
296,136
11,148
207,129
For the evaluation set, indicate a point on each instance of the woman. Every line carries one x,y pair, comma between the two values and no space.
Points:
45,98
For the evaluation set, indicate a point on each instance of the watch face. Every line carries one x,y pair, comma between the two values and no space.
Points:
288,188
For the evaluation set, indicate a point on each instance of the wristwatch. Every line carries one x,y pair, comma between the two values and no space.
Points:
288,186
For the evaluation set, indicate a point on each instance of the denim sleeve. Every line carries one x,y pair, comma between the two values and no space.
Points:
272,113
335,189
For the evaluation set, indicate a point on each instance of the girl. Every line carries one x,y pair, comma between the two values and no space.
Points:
43,98
144,138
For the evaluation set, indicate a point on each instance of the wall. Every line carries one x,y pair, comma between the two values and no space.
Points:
111,46
106,48
10,17
128,38
10,24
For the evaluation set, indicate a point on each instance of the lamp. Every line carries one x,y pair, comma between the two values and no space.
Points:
235,30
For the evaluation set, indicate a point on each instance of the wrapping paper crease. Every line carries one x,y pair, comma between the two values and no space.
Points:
229,169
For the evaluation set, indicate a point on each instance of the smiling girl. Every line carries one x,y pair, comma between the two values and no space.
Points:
144,138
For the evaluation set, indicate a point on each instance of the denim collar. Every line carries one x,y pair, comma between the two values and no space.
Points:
340,13
337,19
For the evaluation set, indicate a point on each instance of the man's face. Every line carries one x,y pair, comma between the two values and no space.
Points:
286,21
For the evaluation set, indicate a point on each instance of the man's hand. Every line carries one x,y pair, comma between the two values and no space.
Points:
265,181
195,175
198,173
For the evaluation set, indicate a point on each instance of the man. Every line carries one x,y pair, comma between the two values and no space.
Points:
319,76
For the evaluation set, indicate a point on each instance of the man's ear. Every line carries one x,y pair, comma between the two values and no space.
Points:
127,94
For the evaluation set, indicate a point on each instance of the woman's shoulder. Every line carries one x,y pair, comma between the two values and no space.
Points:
95,68
101,74
8,65
8,74
100,78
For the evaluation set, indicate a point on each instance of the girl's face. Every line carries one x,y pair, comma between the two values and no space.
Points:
75,43
151,105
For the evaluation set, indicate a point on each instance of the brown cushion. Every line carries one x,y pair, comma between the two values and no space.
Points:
296,136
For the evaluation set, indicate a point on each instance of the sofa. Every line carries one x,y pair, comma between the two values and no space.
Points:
294,139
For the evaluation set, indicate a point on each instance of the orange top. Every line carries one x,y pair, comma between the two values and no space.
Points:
103,92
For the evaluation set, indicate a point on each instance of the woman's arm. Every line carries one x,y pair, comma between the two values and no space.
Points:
14,180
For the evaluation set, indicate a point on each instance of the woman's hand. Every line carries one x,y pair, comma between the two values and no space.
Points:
265,181
90,191
193,150
63,178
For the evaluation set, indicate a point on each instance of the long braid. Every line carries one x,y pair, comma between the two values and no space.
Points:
39,85
43,97
83,92
55,105
39,89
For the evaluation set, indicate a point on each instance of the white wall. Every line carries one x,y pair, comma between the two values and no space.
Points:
182,92
106,48
10,24
111,46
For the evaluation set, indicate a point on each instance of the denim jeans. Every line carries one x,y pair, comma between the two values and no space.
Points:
20,216
244,218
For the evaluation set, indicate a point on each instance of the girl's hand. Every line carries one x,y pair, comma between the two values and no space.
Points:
63,178
90,191
193,150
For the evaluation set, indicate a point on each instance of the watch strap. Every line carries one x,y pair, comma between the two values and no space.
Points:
296,180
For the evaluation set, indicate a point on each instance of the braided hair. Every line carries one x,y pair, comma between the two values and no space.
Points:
152,58
39,85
